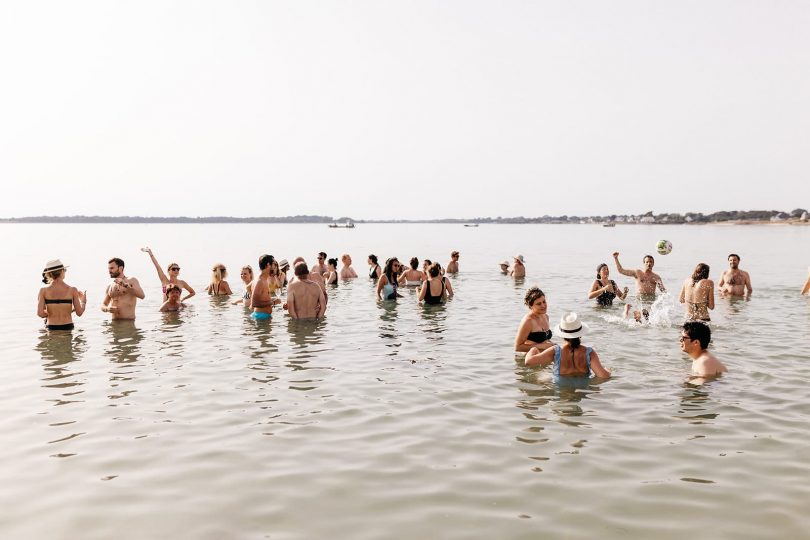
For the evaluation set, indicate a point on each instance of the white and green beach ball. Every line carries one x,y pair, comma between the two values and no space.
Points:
664,247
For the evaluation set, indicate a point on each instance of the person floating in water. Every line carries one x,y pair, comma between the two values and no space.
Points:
695,340
172,302
646,279
735,282
122,295
572,361
605,289
698,294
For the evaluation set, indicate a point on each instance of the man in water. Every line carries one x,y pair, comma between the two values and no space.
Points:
735,282
646,279
694,340
452,266
505,268
122,295
305,298
261,298
320,267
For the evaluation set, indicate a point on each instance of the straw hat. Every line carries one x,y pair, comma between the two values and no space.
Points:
571,326
283,263
519,258
53,264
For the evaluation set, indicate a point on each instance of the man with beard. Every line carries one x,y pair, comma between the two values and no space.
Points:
735,282
122,294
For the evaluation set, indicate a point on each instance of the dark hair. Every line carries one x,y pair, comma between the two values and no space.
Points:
265,261
435,269
414,263
651,258
730,255
701,272
599,269
301,269
333,262
427,262
389,269
574,342
699,331
373,258
116,260
531,295
322,254
454,254
172,287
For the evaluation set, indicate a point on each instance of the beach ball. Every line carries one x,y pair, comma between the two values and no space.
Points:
664,247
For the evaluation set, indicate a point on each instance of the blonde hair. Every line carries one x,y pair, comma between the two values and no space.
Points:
53,275
219,273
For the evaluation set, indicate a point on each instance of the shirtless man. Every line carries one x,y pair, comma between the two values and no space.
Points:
122,295
452,266
261,298
313,275
320,267
735,282
646,279
518,268
695,339
305,298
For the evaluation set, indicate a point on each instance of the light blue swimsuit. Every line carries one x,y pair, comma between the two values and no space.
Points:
568,380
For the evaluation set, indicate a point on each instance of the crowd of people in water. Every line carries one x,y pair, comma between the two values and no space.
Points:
304,295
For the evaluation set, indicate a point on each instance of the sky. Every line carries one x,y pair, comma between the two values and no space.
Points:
403,110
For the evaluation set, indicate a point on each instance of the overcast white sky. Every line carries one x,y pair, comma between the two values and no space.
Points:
377,109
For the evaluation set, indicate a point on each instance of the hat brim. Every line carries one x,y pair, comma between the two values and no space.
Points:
584,329
54,269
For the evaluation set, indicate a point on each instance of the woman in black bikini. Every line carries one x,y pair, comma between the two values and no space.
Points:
534,329
374,270
437,288
605,289
59,300
218,285
331,276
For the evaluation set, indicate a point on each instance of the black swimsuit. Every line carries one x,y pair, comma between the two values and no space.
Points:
539,336
372,273
606,298
68,326
430,298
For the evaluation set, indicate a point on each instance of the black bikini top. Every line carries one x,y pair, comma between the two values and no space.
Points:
539,336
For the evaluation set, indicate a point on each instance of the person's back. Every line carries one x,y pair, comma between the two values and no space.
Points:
305,297
698,294
707,365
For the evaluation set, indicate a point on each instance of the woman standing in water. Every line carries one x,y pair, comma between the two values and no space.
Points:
698,294
218,285
58,300
247,278
374,270
437,289
412,276
173,277
605,289
573,363
331,276
534,329
387,284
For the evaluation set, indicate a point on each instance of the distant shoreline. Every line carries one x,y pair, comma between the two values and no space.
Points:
752,217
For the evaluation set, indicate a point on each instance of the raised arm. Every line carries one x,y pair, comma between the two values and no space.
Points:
660,283
722,280
161,275
806,287
536,357
105,304
622,271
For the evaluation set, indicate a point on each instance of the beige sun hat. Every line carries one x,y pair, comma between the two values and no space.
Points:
520,258
53,264
571,326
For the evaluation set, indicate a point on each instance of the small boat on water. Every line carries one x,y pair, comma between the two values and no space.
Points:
611,224
347,225
471,224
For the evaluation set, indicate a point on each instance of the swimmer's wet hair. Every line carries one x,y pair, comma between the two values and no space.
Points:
701,272
699,331
531,295
730,255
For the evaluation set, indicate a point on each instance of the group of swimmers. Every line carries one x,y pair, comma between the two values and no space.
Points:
307,298
306,291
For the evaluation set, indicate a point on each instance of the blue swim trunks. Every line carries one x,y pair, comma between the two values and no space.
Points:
261,315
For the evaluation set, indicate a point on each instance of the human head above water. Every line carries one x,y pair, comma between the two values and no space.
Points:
414,263
435,270
265,261
173,290
301,270
696,330
372,258
532,295
652,259
115,266
701,272
332,262
219,272
599,270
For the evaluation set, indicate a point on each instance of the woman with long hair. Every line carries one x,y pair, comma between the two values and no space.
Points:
573,362
387,284
58,300
698,294
437,288
331,277
412,277
218,285
605,289
247,278
374,270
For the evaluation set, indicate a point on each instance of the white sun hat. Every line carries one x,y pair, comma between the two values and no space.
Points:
571,326
519,258
53,264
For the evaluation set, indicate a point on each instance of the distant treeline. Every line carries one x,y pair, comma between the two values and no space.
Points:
648,217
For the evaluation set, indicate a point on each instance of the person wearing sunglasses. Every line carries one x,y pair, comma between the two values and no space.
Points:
695,339
320,267
387,284
172,279
452,266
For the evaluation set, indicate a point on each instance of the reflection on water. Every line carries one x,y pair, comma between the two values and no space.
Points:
124,351
59,351
696,403
389,331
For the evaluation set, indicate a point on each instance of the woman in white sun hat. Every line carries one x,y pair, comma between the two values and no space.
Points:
58,301
518,269
571,360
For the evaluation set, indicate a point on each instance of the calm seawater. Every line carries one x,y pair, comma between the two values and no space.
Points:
395,421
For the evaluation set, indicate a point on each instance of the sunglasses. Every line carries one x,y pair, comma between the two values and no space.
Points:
685,338
175,269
